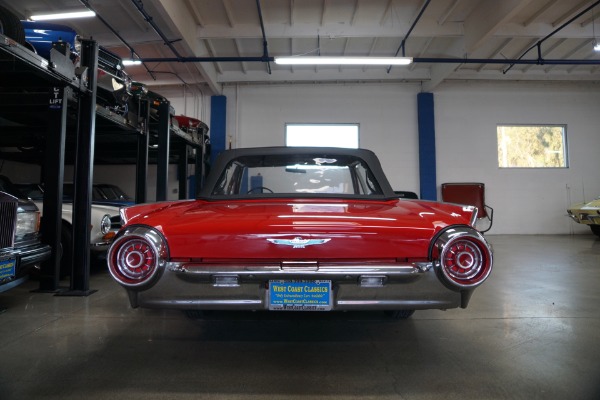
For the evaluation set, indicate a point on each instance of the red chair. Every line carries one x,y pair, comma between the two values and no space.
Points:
472,194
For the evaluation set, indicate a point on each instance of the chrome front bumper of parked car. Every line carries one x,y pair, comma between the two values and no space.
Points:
33,254
586,217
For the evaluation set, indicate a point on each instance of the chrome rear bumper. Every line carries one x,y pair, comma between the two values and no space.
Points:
393,286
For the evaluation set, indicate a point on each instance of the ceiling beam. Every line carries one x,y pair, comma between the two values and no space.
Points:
184,25
386,12
426,27
371,49
422,52
539,12
497,51
238,47
444,17
571,13
486,18
213,52
590,57
228,13
323,12
547,51
193,7
439,72
354,12
589,44
325,74
479,26
292,14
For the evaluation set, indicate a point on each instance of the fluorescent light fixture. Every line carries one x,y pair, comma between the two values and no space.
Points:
70,15
299,60
596,46
131,62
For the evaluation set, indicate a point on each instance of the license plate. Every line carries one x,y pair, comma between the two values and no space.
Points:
300,295
7,268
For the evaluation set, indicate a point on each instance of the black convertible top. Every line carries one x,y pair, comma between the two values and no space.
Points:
369,158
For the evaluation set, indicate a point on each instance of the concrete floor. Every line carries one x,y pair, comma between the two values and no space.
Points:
532,331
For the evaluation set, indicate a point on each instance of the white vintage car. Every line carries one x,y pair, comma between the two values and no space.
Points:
587,214
105,222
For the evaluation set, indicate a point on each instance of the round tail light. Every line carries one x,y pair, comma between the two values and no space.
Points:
137,257
464,257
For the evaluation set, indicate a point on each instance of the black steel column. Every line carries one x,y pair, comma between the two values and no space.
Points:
53,174
162,163
199,170
182,171
83,174
141,170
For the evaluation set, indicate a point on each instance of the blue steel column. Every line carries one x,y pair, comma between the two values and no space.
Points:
427,166
218,129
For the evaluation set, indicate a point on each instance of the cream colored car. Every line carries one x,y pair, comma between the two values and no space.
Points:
587,214
104,219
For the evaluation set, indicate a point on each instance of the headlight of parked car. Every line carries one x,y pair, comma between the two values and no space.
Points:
27,222
105,224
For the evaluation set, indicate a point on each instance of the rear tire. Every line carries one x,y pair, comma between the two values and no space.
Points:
11,26
398,314
595,229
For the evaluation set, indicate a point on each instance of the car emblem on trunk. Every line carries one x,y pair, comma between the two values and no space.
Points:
298,242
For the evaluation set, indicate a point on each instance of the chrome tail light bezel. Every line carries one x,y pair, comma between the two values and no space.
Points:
463,259
146,252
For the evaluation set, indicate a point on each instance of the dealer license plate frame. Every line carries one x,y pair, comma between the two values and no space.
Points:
300,295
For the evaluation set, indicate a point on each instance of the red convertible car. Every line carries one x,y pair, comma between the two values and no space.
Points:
297,228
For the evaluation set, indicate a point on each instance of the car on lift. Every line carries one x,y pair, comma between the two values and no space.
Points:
113,83
105,222
21,250
587,213
197,132
11,26
299,229
104,193
140,90
196,129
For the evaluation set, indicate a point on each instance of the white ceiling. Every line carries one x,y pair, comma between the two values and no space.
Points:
448,29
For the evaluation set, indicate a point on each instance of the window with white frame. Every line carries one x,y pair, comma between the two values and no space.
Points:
322,135
532,146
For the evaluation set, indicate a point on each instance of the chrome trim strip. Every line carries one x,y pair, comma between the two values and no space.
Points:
387,304
236,304
338,305
207,270
101,244
474,216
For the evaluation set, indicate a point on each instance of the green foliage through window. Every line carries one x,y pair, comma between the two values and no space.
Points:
532,146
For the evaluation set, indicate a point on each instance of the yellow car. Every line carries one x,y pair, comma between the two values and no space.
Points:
587,214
